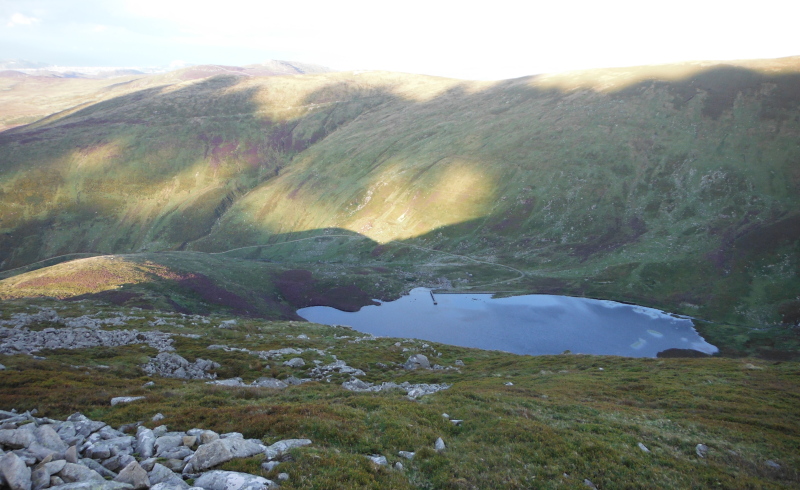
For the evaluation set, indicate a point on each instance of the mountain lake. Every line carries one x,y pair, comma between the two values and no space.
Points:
534,324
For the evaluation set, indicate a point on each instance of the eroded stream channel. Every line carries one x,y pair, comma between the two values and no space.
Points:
533,324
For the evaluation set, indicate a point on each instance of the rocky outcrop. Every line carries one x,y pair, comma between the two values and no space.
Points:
335,367
170,365
24,341
412,390
82,454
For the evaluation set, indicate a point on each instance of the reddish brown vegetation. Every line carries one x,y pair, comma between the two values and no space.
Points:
301,290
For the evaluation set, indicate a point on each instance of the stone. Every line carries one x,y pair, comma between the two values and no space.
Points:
54,467
219,451
231,434
176,465
83,425
295,362
160,431
14,472
94,485
180,452
207,436
232,480
269,465
589,483
378,459
189,441
134,475
283,476
49,438
439,444
109,432
171,365
99,468
145,442
456,422
167,443
111,447
701,450
406,454
459,362
116,463
281,447
161,474
270,383
125,399
398,466
55,481
171,486
417,361
643,447
71,454
772,464
16,438
148,464
228,382
78,473
39,452
158,417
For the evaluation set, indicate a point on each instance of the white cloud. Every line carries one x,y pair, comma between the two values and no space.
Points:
19,19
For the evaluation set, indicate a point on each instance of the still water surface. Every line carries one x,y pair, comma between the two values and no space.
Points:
534,324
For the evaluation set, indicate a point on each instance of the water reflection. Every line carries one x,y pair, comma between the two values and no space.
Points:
532,324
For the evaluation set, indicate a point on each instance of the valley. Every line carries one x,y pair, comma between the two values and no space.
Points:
194,212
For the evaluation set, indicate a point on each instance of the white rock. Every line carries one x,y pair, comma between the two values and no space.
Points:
219,451
125,399
643,447
281,447
439,445
232,480
701,450
378,459
295,362
406,454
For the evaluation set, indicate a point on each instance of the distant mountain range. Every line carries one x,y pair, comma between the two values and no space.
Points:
268,68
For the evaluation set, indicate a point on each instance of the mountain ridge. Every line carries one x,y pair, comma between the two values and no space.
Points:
644,183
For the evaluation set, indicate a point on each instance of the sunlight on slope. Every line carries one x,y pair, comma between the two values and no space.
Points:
395,207
403,201
82,276
611,79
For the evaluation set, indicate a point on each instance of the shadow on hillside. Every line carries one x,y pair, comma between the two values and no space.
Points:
221,129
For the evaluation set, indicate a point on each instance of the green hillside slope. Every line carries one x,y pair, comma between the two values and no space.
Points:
673,186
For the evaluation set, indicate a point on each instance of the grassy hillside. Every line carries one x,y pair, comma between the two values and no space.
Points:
528,422
673,186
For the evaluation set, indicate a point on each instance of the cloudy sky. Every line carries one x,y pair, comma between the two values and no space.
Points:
479,40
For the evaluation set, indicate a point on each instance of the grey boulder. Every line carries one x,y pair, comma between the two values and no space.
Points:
78,473
221,450
135,475
16,438
417,361
281,447
160,474
15,472
93,485
232,480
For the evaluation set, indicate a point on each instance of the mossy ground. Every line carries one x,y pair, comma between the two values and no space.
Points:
529,422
